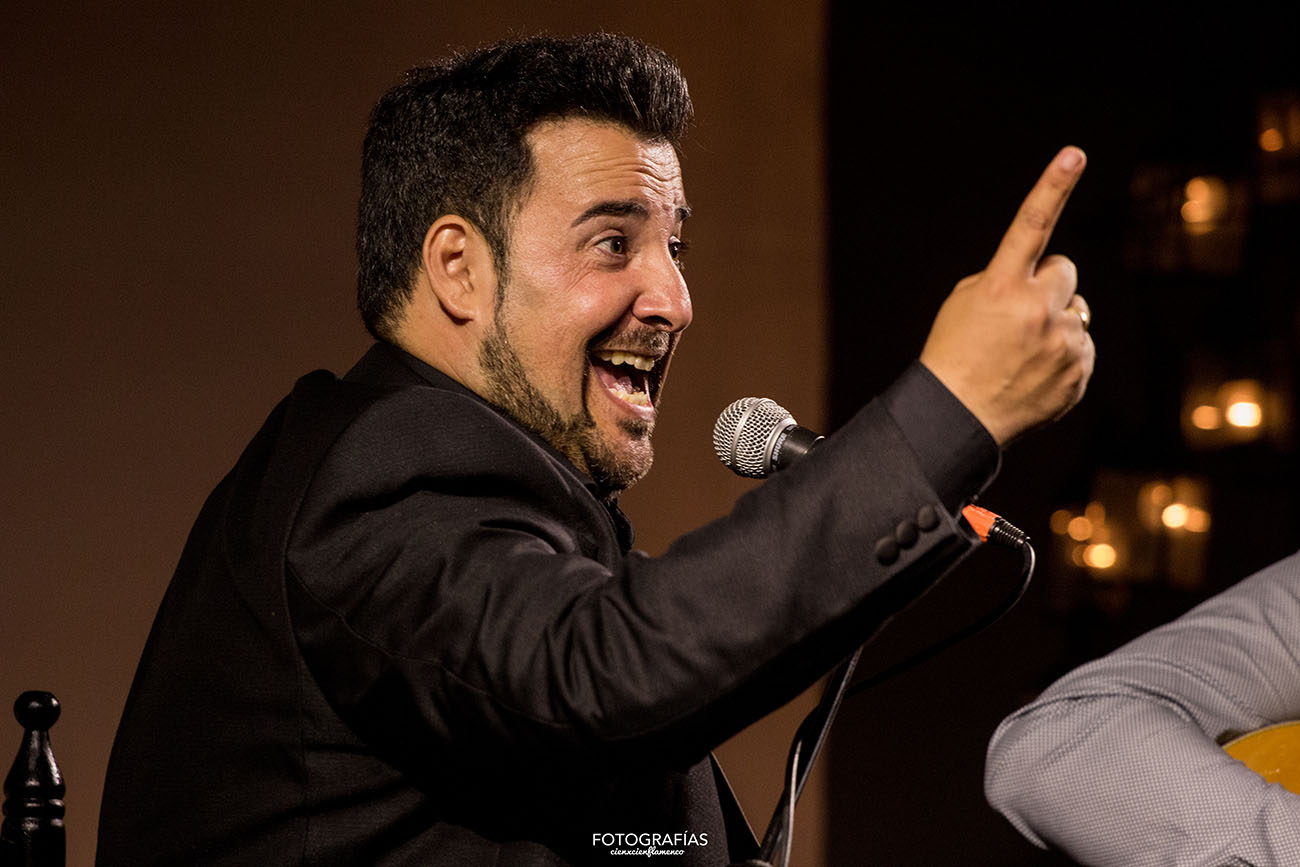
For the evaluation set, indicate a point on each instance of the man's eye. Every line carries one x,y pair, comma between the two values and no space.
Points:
677,249
615,244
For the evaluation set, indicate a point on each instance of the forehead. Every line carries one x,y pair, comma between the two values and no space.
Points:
579,161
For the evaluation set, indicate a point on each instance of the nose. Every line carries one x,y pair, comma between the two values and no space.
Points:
663,302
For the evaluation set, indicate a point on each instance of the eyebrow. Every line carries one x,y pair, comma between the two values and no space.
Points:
624,208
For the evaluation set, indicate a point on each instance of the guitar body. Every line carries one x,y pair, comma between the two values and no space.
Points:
1273,752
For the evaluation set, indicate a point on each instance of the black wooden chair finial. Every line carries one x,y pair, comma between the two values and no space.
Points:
32,833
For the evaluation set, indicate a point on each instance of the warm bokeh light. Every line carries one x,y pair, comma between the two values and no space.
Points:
1196,211
1152,497
1271,140
1206,200
1099,556
1197,190
1235,412
1137,528
1206,417
1198,520
1174,516
1180,516
1160,494
1244,413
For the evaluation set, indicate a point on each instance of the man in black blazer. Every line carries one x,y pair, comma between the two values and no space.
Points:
409,628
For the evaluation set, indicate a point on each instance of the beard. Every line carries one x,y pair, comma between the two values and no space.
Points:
577,437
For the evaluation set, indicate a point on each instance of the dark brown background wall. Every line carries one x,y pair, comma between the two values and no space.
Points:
179,183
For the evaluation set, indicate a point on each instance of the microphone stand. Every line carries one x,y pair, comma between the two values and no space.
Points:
805,747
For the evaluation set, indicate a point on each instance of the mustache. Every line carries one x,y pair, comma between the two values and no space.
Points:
641,338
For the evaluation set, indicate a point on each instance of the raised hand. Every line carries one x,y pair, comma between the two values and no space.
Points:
1011,342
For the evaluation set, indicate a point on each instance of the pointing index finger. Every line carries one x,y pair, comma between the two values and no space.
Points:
1026,239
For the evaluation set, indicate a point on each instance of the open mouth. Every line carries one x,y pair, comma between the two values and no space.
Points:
629,376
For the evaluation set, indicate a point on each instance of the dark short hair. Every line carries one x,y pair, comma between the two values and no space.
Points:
450,139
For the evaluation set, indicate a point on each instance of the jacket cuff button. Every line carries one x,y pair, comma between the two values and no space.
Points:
927,518
886,551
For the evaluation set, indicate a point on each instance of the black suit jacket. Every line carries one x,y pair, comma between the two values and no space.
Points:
405,630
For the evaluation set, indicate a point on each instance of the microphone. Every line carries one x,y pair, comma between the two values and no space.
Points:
756,436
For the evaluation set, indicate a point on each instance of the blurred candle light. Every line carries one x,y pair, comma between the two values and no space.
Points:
1244,413
1205,200
1277,130
1174,516
1100,556
1079,528
1206,417
1159,493
1234,413
1152,498
1198,520
1136,528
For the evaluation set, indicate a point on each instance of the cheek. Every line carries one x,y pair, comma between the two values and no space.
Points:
564,321
552,350
555,307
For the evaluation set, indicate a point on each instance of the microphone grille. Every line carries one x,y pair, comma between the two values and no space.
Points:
744,434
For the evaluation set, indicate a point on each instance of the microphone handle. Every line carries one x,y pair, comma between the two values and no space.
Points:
793,443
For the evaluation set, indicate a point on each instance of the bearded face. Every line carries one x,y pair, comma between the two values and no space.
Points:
594,303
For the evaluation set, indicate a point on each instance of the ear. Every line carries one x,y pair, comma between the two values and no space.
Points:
458,265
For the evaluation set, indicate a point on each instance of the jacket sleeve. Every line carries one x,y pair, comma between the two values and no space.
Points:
449,589
1118,763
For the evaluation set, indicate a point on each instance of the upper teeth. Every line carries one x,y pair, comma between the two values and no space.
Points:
640,362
